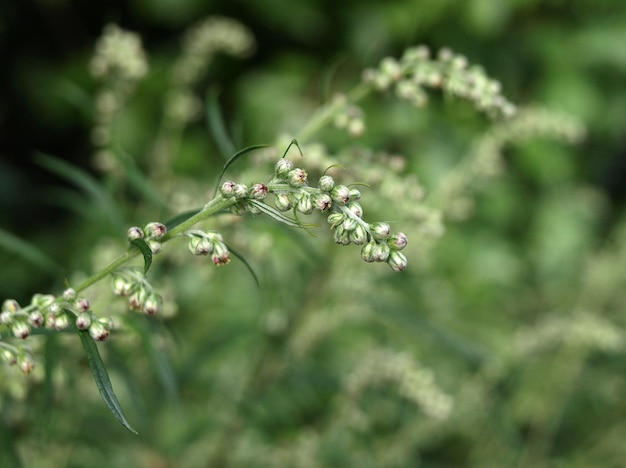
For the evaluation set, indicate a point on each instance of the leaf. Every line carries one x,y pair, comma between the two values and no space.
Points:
146,251
28,252
234,158
278,216
245,262
215,121
101,377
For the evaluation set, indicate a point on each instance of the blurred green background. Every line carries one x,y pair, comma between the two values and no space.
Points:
501,345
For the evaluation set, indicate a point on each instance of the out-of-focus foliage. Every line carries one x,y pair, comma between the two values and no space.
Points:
501,345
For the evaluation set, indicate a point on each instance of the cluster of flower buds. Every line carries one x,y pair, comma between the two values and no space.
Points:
152,233
52,313
349,117
208,243
450,72
131,283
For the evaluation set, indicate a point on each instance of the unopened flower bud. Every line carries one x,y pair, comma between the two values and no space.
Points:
323,202
6,317
240,191
83,321
397,260
153,304
355,194
305,205
341,194
135,232
355,207
283,166
21,330
259,191
397,241
220,256
35,318
55,308
335,219
8,356
10,305
155,246
98,331
61,322
155,230
349,223
82,305
69,294
227,189
367,252
358,236
41,301
297,177
121,287
326,183
239,208
381,252
26,364
380,231
341,236
200,246
136,299
283,201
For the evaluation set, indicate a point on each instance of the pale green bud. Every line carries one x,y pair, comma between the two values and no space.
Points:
283,201
397,241
358,236
367,252
335,219
305,205
21,330
283,166
381,252
341,194
135,232
297,177
200,246
397,260
326,183
380,231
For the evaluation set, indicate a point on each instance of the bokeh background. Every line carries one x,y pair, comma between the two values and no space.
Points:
501,345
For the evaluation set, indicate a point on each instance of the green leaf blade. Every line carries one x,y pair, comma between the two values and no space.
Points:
146,251
101,378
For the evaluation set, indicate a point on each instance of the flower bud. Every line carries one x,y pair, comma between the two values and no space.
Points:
283,166
323,202
297,177
326,183
359,235
83,321
41,301
380,231
98,331
283,201
135,233
61,322
121,287
367,252
200,246
10,305
341,194
335,219
26,364
220,256
397,260
137,299
381,252
155,230
8,356
341,236
69,294
82,305
155,246
227,189
355,194
397,241
36,318
153,304
355,207
21,330
6,317
259,191
349,223
239,208
240,191
304,204
55,308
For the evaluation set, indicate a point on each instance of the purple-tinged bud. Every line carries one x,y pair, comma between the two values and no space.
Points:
367,252
326,183
155,230
240,191
62,322
355,194
283,166
55,308
69,294
397,260
51,320
359,235
335,219
82,305
259,191
397,241
10,305
36,318
155,246
283,201
227,189
135,232
98,331
381,252
297,177
200,246
137,299
83,321
305,205
121,287
26,364
380,231
153,304
220,256
341,194
356,208
6,317
323,202
21,330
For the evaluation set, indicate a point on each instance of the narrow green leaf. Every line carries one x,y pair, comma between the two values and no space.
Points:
146,251
215,121
101,377
234,158
28,252
247,265
278,216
